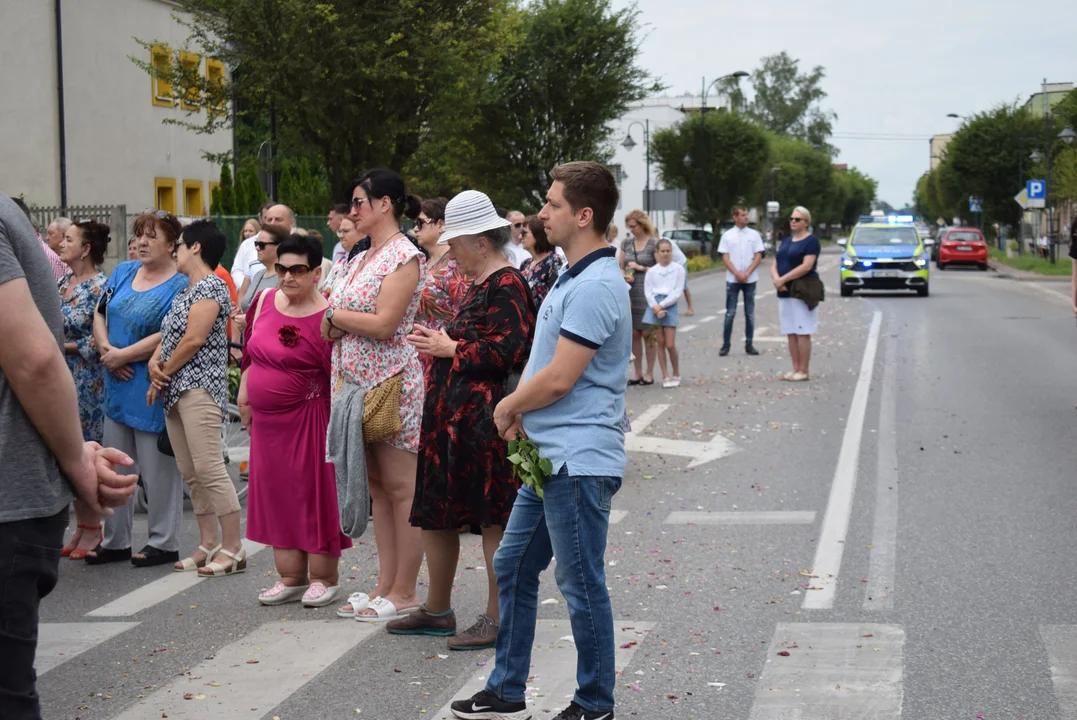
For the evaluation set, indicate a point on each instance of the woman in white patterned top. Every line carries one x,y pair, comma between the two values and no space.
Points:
189,371
663,286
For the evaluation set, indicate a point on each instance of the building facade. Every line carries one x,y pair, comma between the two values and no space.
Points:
111,147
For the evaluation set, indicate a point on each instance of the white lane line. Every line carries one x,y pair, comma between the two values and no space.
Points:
833,670
879,591
831,544
1061,644
769,339
688,328
774,517
159,590
287,656
617,516
708,318
643,421
59,642
552,677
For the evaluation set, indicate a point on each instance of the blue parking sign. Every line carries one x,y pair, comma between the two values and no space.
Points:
1037,189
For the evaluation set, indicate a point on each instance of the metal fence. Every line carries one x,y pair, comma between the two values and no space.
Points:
112,215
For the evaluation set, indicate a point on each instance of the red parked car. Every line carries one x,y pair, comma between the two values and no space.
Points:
961,246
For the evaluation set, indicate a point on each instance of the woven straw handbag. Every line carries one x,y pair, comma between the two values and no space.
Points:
381,410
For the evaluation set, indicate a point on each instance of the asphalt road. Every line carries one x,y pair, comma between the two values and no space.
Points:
892,539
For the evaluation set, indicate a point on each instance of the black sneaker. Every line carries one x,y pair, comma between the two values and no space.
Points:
724,351
575,712
750,349
485,705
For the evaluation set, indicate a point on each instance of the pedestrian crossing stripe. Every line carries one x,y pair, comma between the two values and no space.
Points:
58,643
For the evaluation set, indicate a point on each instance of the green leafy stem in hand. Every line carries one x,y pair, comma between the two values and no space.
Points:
531,468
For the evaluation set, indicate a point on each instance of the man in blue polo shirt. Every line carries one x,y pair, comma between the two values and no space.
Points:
570,403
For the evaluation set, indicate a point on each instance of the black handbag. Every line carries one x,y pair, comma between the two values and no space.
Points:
164,444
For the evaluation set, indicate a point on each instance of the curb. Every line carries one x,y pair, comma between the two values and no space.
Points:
1005,271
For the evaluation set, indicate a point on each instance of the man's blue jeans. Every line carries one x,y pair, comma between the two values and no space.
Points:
732,290
570,523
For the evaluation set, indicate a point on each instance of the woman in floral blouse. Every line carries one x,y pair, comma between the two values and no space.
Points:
83,250
369,318
545,265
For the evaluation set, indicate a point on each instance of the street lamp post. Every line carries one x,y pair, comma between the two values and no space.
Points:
628,144
703,97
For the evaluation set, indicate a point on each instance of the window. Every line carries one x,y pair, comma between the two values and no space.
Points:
192,99
215,77
161,60
192,199
164,190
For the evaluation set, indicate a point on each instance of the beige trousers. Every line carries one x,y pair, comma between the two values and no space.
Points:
194,427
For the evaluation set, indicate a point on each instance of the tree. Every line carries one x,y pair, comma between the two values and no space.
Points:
223,201
985,158
360,83
805,176
572,71
787,102
726,157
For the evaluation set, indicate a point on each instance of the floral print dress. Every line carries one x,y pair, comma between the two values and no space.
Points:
366,362
542,275
464,477
85,365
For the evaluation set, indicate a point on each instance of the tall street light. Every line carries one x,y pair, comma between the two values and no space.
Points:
703,100
628,144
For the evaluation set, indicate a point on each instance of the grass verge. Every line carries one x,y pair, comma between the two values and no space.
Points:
1031,263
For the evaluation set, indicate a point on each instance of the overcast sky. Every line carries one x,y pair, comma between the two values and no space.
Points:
892,68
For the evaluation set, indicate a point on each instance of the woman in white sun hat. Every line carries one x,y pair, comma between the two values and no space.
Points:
465,479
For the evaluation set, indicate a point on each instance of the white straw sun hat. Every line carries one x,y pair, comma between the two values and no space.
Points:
470,213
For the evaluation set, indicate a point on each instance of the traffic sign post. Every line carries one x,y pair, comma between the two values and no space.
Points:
1037,193
976,207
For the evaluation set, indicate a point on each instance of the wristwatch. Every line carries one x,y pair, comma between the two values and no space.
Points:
329,317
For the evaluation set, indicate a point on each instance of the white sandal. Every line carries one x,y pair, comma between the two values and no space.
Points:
192,565
356,601
238,564
384,611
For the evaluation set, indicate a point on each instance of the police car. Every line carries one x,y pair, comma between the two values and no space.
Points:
885,253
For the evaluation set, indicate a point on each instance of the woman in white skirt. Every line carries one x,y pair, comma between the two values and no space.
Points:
662,286
797,257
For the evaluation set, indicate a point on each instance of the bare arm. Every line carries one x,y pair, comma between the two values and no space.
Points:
397,290
39,377
141,350
758,258
729,265
100,332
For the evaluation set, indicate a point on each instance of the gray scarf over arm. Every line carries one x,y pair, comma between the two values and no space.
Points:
346,449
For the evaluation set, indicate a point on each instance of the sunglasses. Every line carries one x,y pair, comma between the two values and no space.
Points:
159,214
421,223
518,225
261,244
794,219
358,203
297,271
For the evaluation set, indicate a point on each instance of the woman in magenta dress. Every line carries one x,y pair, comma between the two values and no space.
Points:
284,399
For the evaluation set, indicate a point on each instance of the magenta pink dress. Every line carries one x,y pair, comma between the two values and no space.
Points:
292,496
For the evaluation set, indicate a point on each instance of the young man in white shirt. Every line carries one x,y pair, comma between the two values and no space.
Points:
742,251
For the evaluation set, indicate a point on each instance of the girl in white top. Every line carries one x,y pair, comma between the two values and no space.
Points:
663,285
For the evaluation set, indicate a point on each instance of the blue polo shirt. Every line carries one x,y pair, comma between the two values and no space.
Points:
588,305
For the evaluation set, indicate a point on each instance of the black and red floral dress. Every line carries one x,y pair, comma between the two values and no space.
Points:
464,479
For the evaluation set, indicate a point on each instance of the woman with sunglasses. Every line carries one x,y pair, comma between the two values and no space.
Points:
369,318
127,328
797,257
284,400
265,245
189,372
349,237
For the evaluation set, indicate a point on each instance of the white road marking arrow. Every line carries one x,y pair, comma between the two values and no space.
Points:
701,452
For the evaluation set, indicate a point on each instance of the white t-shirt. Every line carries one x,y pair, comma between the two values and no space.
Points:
741,244
516,254
246,262
339,253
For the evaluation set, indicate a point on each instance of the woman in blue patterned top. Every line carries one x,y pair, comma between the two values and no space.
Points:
82,249
127,327
189,372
